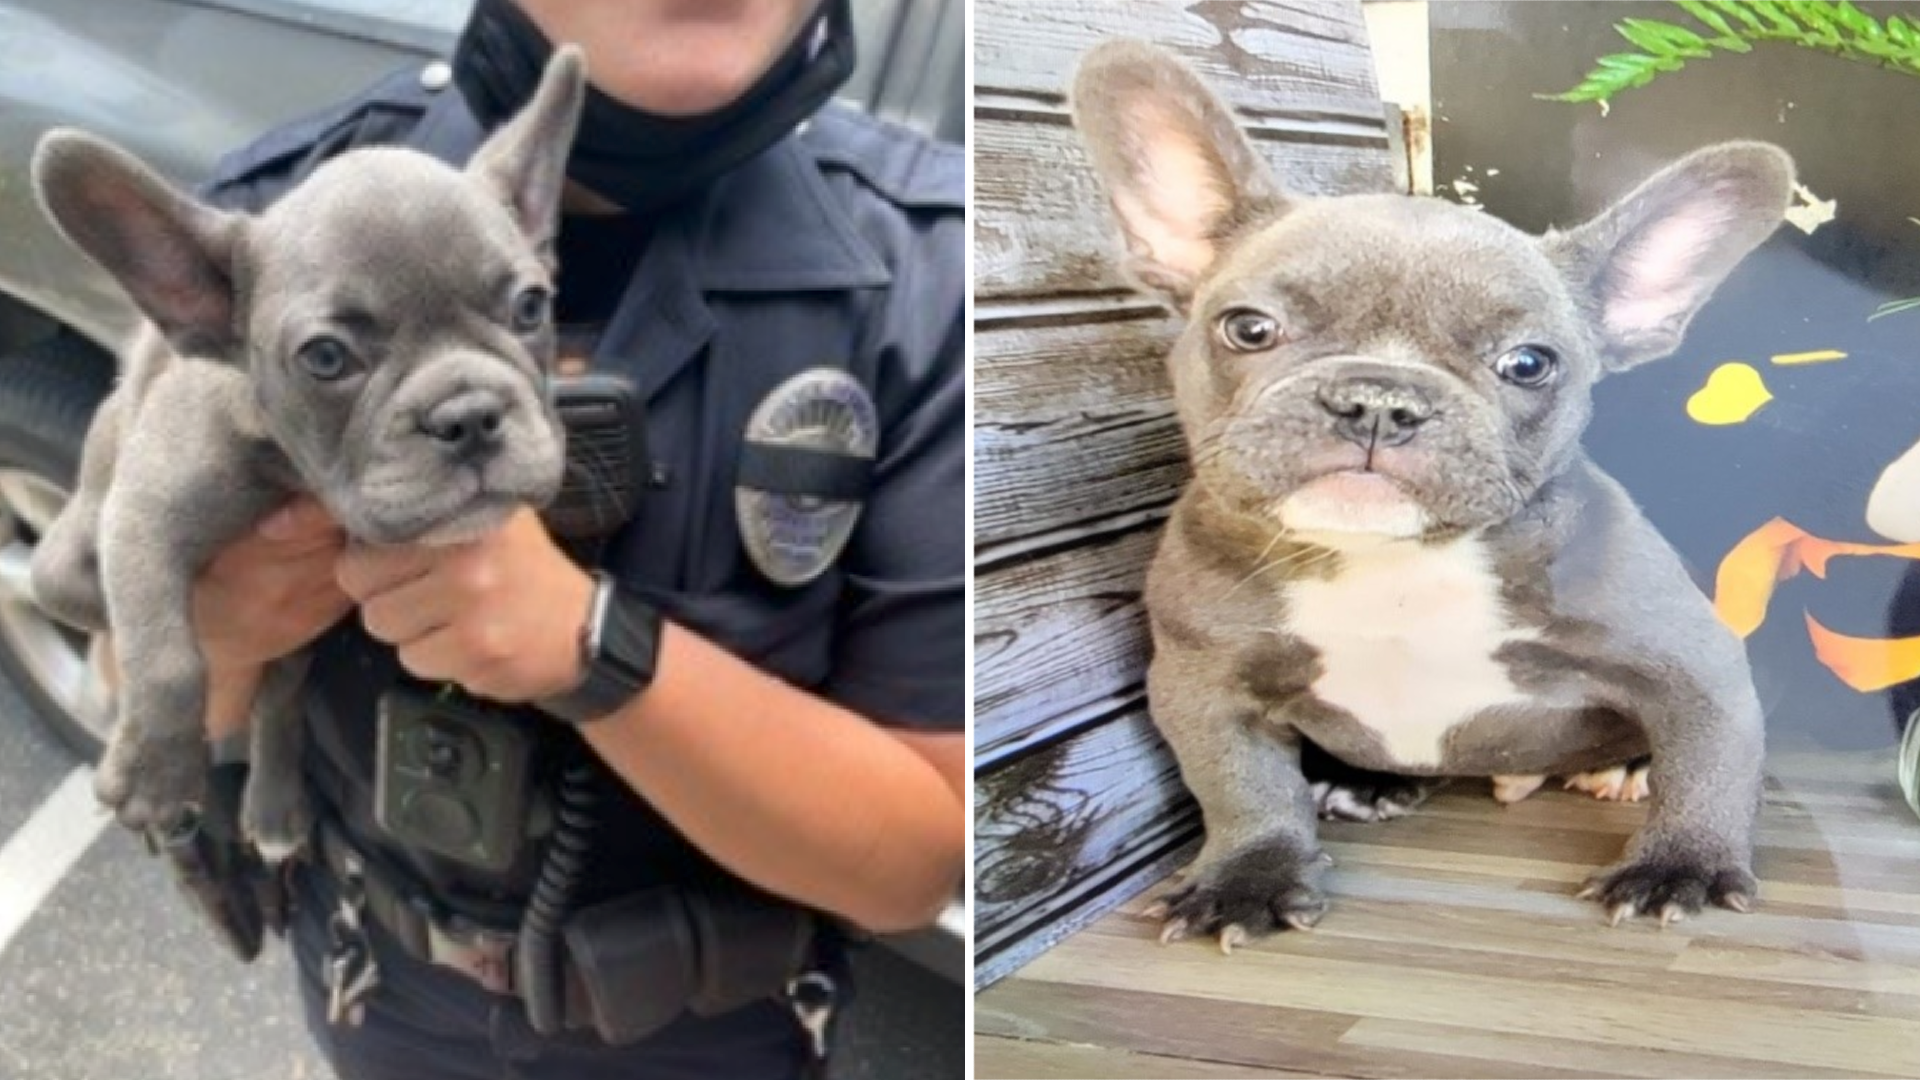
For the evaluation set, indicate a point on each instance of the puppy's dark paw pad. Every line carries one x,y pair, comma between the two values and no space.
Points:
1669,889
1390,797
1242,900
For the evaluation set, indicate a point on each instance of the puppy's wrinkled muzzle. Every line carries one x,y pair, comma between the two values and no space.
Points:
469,426
1374,412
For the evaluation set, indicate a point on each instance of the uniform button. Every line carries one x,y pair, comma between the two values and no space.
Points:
436,76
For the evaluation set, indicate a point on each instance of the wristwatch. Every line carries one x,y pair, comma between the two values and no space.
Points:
619,646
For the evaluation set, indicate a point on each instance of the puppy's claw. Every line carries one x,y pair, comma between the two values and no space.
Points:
1739,902
1588,891
1302,920
1669,888
1618,784
1156,911
1230,935
1637,787
1173,931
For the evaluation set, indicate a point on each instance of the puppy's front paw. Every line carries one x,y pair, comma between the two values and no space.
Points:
1247,896
152,786
1670,886
277,818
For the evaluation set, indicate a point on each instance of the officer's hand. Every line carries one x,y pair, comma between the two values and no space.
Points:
500,616
272,591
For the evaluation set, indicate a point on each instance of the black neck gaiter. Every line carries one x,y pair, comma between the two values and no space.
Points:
641,160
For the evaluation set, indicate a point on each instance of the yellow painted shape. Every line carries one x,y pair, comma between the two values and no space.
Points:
1733,393
1814,357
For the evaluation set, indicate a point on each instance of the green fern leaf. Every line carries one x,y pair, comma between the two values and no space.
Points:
1711,18
1770,11
1895,307
1739,11
1662,39
1858,21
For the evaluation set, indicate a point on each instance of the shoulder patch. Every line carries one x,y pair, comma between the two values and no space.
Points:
242,177
903,166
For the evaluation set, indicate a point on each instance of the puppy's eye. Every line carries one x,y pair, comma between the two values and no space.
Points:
1528,365
531,308
1246,330
326,359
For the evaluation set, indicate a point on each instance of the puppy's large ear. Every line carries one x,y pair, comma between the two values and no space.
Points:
1182,177
172,255
1646,265
525,161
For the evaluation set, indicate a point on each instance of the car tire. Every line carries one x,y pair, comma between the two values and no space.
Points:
48,394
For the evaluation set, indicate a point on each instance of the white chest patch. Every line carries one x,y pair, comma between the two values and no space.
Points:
1406,637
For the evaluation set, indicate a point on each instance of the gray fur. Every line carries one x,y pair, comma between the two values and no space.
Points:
1393,311
441,425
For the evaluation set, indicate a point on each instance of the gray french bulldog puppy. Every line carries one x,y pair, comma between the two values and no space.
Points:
1393,544
379,337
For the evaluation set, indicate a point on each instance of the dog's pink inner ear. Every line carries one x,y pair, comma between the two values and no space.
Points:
1179,196
1660,272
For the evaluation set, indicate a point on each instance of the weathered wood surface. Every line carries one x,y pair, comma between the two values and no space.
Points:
1072,421
1065,824
1041,223
1077,453
1455,947
1064,631
1309,58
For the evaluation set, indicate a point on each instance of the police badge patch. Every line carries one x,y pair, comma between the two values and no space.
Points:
804,470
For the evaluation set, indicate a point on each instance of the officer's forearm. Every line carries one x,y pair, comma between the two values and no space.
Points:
230,695
789,791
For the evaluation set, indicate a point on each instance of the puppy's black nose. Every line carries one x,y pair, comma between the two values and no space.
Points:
1375,412
470,424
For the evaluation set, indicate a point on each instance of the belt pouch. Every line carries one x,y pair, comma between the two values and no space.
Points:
636,962
750,945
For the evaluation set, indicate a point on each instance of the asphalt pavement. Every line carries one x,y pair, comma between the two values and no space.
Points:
110,976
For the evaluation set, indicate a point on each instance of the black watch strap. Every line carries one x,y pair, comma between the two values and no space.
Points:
618,648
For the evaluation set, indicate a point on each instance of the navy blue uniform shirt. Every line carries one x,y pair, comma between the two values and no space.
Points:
840,246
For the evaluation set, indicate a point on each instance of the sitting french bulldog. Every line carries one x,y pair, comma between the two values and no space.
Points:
1393,544
379,337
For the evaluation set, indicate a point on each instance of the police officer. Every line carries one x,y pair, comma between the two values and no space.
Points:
767,678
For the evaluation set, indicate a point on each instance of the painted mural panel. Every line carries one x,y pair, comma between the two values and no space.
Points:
1779,449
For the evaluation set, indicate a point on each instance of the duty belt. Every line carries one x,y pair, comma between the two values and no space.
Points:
746,950
418,926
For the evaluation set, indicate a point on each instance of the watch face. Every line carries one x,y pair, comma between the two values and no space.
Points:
629,634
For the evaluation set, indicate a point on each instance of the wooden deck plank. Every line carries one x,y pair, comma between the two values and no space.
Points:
1046,1061
1529,1052
1249,1036
1455,947
1648,1018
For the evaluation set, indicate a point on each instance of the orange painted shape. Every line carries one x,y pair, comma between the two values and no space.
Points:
1866,664
1744,583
